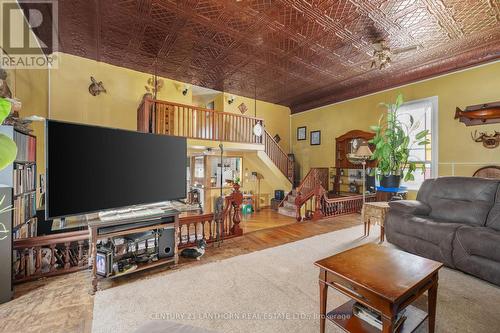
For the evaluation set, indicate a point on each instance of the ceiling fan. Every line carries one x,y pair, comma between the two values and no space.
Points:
382,54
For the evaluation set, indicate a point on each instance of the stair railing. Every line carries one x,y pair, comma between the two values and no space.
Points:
309,191
278,156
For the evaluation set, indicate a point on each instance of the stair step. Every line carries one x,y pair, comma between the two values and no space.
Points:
286,211
291,198
289,205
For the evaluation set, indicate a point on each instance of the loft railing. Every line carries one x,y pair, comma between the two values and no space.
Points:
193,122
278,156
168,118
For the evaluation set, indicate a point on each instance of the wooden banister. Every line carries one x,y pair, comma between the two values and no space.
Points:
278,156
169,118
68,252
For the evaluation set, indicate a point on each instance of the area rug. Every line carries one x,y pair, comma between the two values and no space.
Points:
274,290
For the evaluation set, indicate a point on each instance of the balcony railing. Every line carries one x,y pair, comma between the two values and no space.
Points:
193,122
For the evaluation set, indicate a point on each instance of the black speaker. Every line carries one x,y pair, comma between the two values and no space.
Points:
166,242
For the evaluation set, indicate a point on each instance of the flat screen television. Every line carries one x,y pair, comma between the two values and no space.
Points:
91,168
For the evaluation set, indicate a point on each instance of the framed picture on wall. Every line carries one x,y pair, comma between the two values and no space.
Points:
301,133
315,138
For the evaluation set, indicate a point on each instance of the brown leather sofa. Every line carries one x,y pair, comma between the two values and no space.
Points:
455,220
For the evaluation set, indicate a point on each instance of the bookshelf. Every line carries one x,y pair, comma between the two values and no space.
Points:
21,177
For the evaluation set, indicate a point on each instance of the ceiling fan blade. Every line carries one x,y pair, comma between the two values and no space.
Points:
405,49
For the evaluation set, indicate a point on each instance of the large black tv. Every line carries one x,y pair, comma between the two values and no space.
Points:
91,168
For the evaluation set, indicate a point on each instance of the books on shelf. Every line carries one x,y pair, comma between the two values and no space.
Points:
26,147
24,187
24,178
374,318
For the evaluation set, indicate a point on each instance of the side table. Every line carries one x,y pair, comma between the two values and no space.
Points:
375,212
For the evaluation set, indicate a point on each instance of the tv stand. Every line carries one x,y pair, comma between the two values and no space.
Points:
108,229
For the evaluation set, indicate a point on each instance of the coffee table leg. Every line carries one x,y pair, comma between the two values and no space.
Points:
431,303
323,293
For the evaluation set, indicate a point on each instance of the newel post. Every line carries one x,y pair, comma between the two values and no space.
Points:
318,212
237,200
298,205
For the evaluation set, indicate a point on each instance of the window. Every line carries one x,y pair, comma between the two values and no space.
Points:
424,112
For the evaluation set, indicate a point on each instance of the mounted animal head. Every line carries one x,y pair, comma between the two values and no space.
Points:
489,141
95,87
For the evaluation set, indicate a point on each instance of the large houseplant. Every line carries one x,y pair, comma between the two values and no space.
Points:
393,140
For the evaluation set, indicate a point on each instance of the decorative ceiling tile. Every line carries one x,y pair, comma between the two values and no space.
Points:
300,53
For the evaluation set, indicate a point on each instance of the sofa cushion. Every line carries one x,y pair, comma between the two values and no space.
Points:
476,250
464,200
422,231
494,215
413,207
425,191
478,241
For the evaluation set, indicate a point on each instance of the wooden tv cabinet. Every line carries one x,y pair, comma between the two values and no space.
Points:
99,229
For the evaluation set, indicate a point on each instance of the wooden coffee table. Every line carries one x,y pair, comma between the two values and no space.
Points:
385,279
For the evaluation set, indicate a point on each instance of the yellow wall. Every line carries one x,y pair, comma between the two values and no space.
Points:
31,87
70,100
276,117
474,86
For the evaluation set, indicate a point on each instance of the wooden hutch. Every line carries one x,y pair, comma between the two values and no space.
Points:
346,177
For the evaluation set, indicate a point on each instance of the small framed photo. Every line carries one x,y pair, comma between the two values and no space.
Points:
301,133
315,138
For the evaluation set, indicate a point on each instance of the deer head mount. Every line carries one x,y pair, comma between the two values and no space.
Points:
489,141
95,87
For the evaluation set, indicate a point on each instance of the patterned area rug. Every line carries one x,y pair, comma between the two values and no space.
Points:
275,290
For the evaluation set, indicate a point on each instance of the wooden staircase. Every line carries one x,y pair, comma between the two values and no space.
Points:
287,206
316,178
310,201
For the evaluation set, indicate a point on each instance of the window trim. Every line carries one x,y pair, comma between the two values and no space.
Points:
434,132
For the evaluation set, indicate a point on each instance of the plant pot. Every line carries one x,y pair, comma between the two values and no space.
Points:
391,181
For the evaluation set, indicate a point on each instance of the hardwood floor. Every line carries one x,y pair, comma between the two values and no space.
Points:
64,304
264,219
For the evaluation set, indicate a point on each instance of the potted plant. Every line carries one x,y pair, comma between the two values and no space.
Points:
393,140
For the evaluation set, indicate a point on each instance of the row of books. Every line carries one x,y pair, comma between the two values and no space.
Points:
24,209
374,318
26,147
24,178
25,230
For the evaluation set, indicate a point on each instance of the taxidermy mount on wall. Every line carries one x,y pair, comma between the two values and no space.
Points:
489,141
95,87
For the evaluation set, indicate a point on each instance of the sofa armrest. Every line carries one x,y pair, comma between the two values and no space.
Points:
413,207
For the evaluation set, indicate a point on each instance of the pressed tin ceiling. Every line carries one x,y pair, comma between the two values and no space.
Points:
300,53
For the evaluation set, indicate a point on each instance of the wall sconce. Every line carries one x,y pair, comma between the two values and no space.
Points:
231,99
95,87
